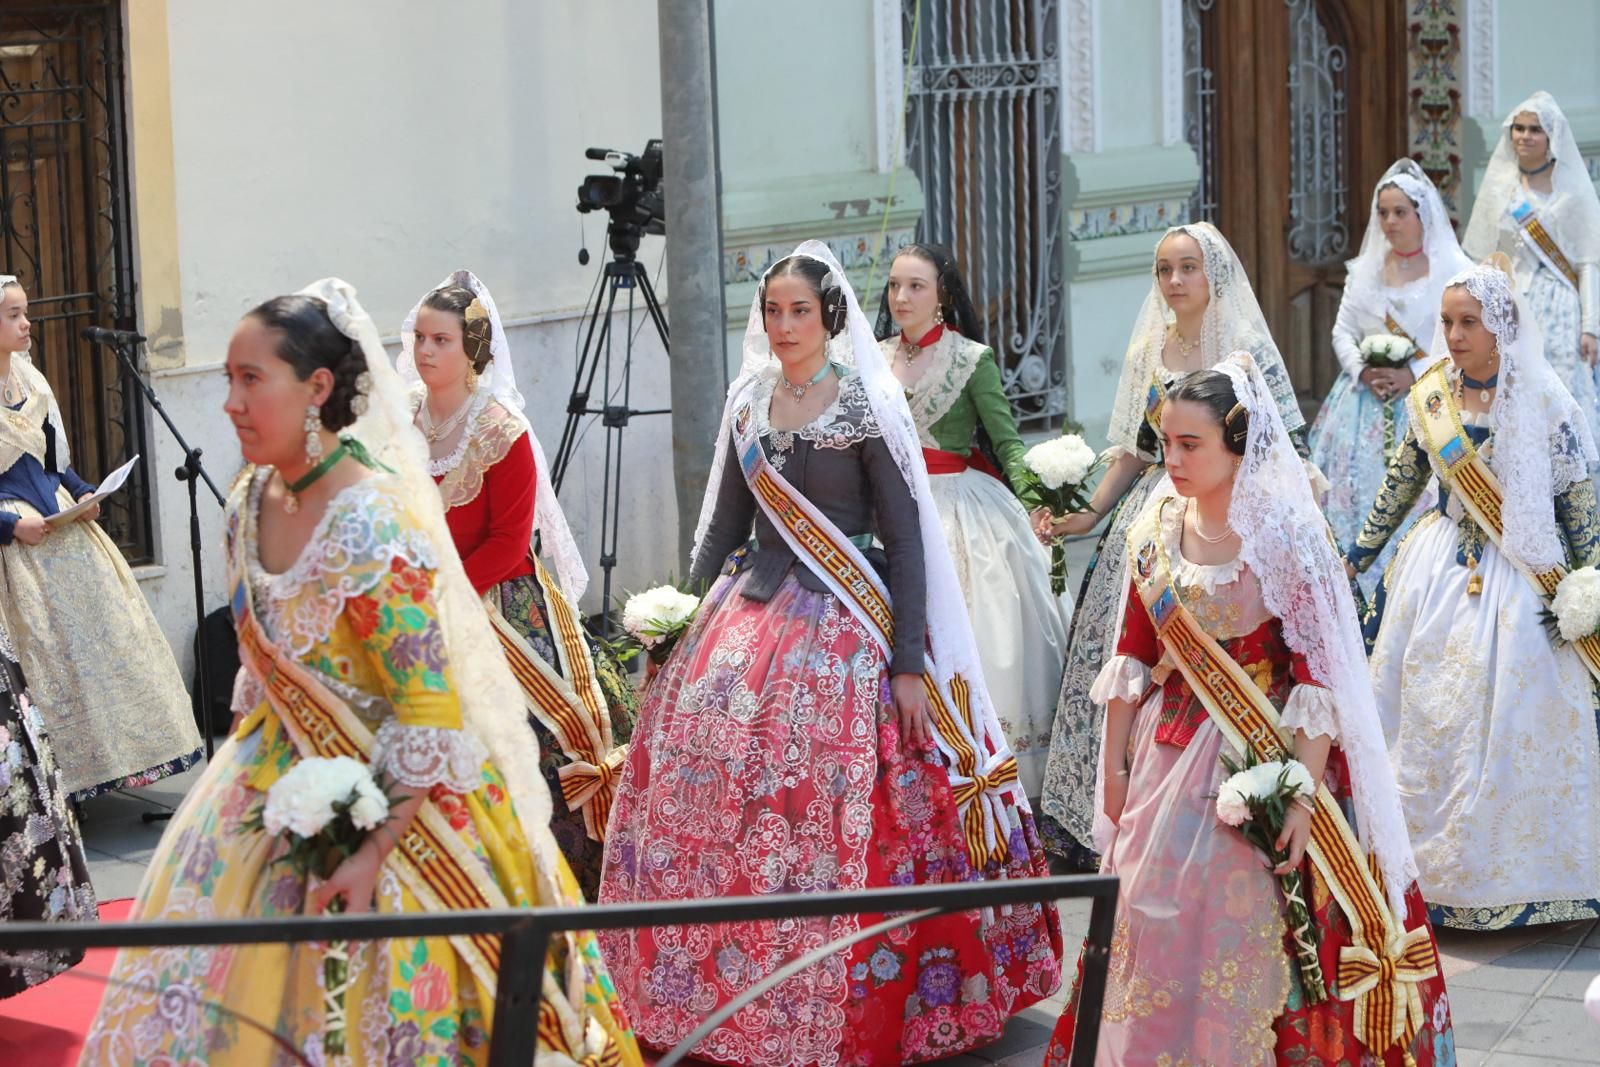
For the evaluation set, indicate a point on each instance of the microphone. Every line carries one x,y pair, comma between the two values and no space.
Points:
101,335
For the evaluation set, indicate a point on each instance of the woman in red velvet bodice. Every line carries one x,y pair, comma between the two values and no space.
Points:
486,461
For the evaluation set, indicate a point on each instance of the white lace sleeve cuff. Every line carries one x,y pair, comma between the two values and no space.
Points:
1122,678
248,693
1311,708
421,757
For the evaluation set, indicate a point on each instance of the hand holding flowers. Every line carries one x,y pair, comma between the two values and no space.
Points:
326,809
1061,467
1264,801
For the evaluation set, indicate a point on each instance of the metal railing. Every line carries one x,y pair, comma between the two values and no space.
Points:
525,937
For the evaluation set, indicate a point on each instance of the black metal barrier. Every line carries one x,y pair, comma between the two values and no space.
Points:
526,934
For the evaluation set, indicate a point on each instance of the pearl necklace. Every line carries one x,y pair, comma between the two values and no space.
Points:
1194,524
436,432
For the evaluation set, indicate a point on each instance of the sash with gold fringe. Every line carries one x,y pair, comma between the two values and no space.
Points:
1544,246
1464,472
569,703
982,770
1382,970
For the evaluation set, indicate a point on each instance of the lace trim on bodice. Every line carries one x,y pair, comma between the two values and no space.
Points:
950,362
1206,577
847,421
421,757
490,437
363,529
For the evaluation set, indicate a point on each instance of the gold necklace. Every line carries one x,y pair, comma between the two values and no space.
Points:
1184,347
436,432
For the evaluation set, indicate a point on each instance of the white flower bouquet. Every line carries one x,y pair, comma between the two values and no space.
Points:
1255,799
325,807
657,617
1574,611
1386,350
1061,468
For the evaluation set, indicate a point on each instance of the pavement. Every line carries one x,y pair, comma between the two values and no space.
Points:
1516,996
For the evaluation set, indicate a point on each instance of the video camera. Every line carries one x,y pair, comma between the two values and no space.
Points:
632,195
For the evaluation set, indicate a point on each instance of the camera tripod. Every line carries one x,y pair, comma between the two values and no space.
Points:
623,272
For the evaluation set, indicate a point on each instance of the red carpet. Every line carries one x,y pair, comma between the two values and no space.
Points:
45,1026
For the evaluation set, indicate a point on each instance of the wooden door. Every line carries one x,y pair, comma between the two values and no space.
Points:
1311,110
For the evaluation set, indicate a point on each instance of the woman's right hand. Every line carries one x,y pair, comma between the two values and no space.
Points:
1116,795
1079,522
31,529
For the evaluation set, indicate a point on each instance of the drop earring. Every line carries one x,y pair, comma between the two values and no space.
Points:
312,425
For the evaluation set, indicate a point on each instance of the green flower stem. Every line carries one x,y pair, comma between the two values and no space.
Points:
335,982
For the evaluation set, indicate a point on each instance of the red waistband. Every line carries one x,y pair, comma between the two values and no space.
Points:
941,462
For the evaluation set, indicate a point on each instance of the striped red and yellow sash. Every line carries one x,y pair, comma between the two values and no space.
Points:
983,772
1464,472
1386,963
1543,245
431,859
569,703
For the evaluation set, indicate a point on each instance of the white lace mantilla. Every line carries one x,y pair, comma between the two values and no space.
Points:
847,421
364,523
421,757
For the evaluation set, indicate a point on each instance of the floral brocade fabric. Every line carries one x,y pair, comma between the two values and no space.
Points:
766,761
523,604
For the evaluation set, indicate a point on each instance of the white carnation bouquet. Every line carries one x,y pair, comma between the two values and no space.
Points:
1386,350
325,807
1575,609
657,617
1255,799
1061,468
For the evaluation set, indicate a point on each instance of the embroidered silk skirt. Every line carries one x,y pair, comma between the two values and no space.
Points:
96,661
44,876
766,760
410,1001
1020,626
1492,732
1067,803
522,602
1201,967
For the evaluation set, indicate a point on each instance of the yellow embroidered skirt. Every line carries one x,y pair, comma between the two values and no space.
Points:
410,1000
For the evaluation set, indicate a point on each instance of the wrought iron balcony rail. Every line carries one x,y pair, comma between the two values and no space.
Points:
526,934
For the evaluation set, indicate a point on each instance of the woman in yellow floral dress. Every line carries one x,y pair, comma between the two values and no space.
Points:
356,627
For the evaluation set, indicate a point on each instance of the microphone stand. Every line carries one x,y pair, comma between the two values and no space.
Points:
191,473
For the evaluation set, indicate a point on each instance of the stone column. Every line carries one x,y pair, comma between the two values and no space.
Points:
693,187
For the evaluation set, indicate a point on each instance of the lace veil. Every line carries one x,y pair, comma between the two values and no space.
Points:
491,700
856,347
498,382
1364,274
1502,183
63,447
1287,546
1232,321
1542,443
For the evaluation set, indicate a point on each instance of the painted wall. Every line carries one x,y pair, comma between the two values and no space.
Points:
311,138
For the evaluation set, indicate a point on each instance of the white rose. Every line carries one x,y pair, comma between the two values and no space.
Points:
656,613
1231,806
371,807
1061,461
302,800
1577,604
